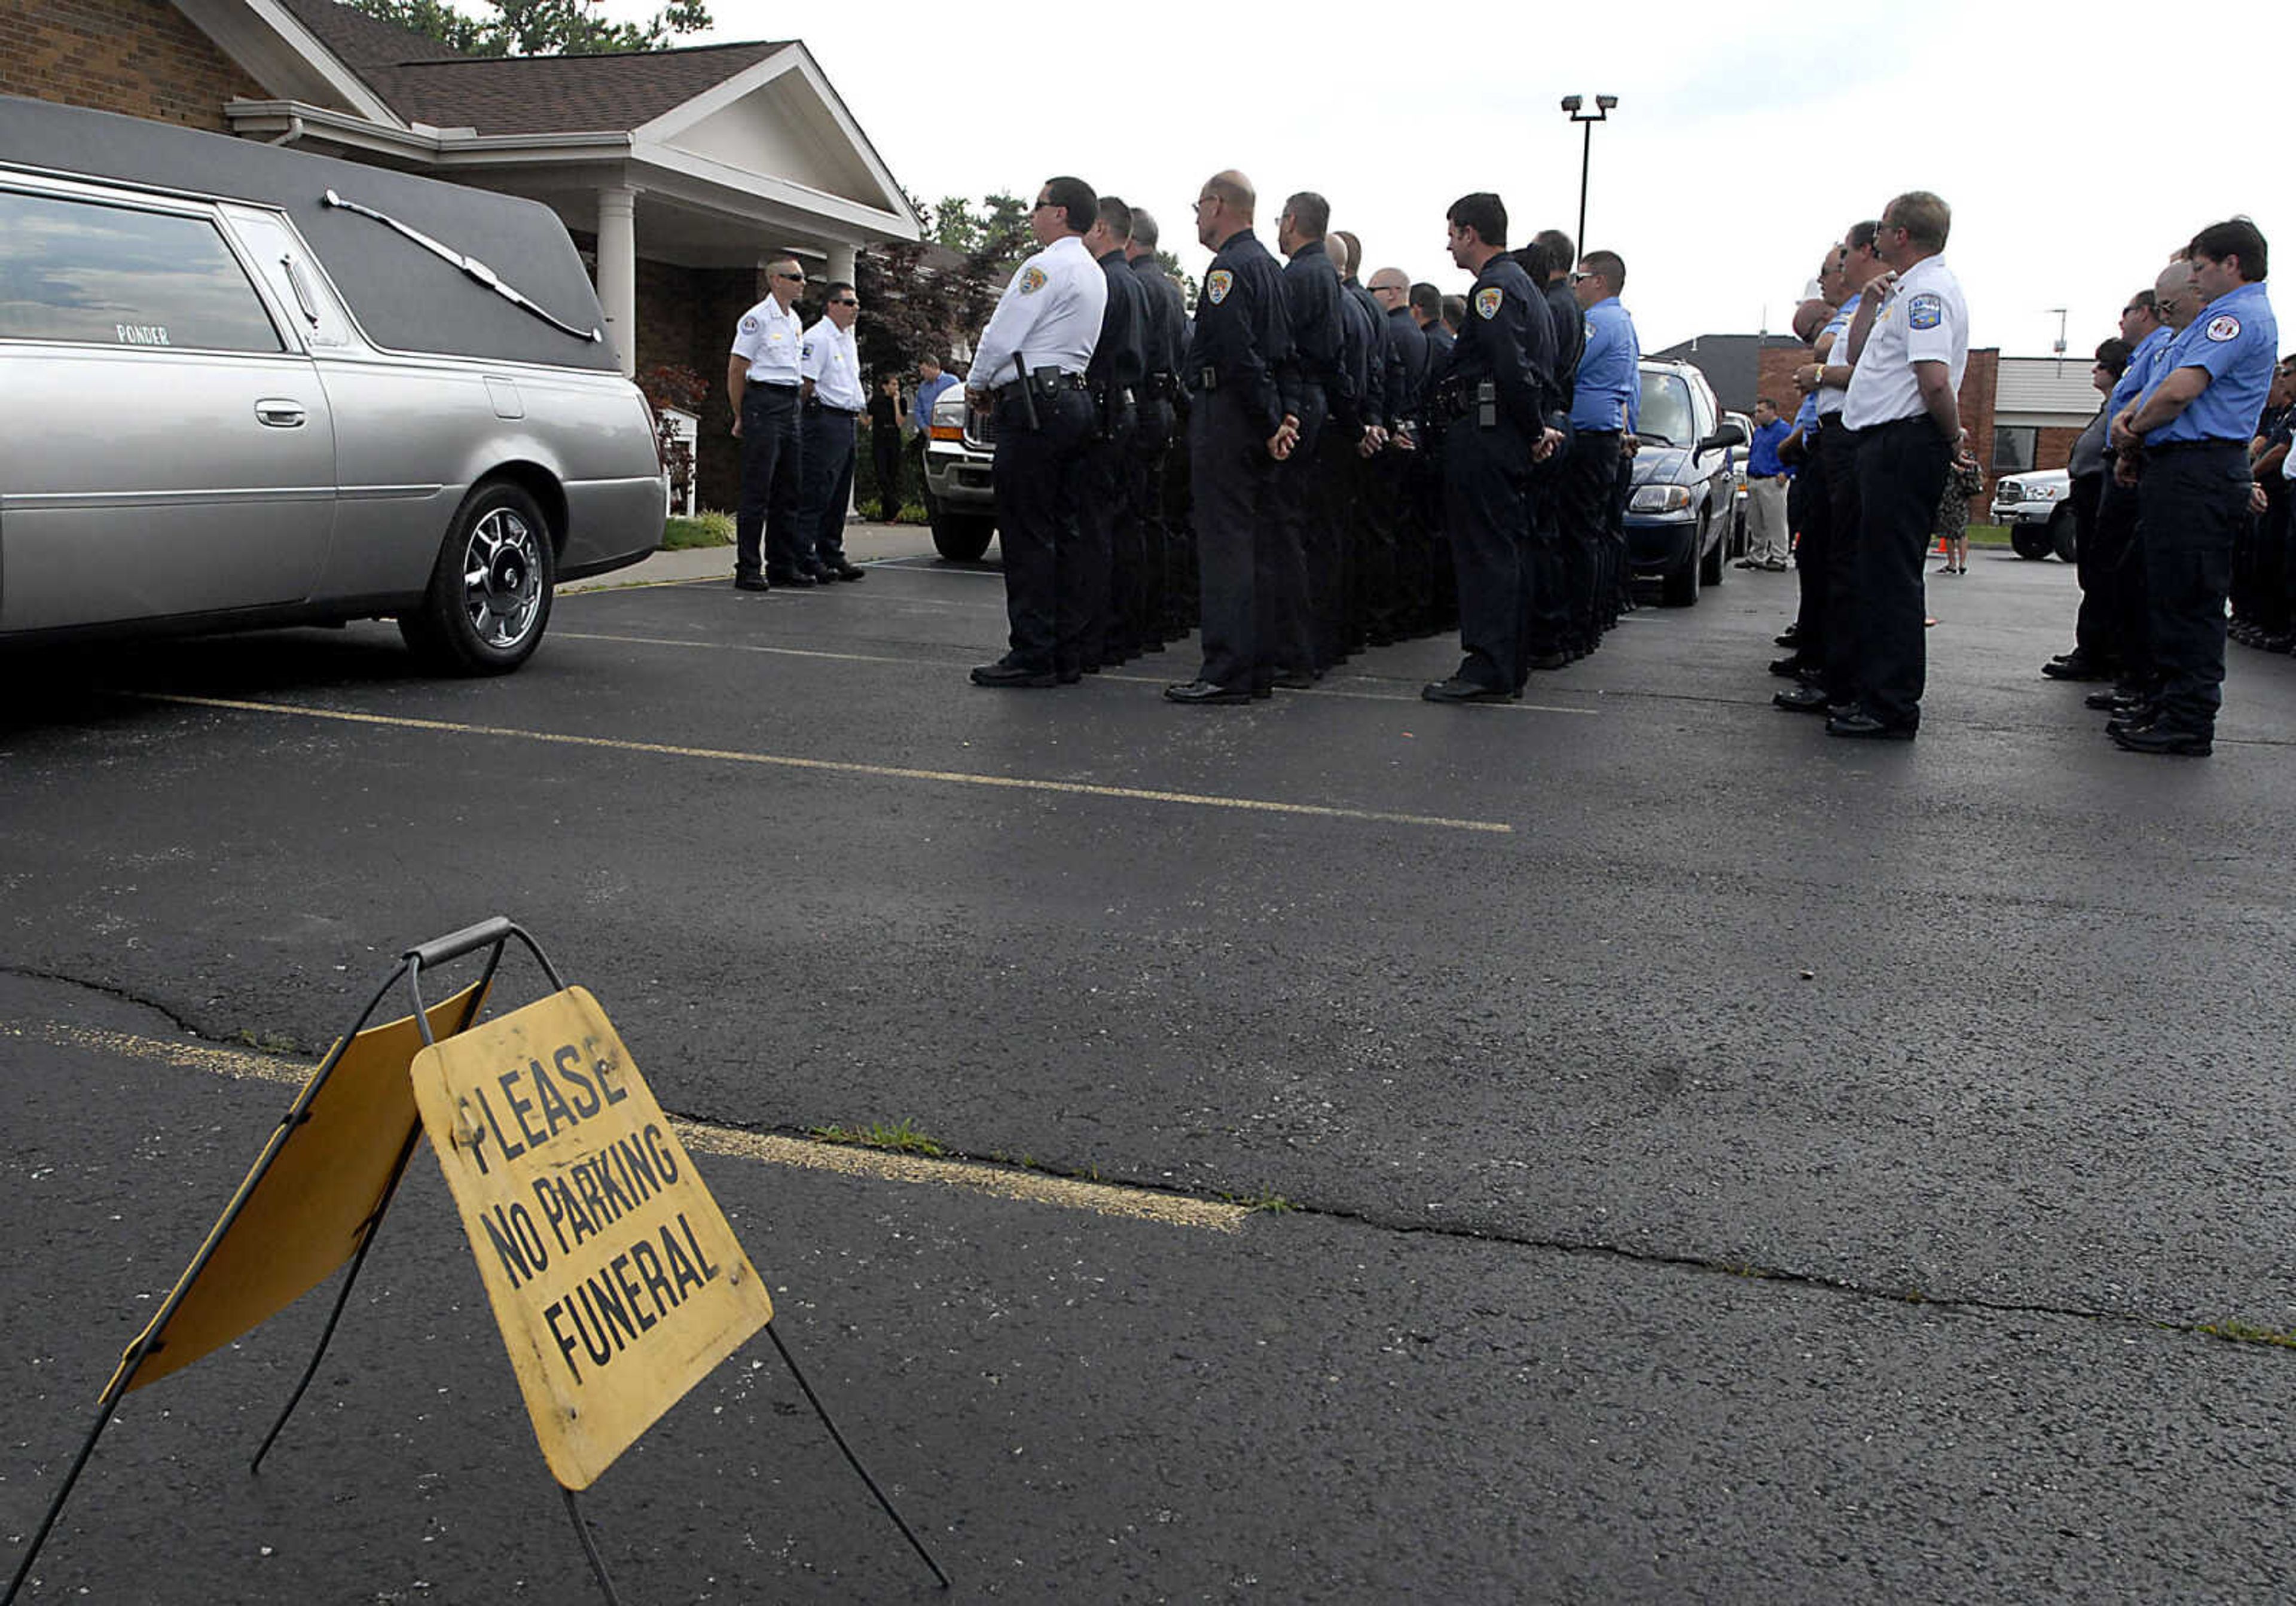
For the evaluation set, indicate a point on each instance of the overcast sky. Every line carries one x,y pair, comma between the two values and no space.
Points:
2074,155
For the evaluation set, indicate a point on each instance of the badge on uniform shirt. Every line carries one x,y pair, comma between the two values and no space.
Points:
1217,286
1590,329
1486,301
806,349
2224,326
1925,312
749,325
1032,281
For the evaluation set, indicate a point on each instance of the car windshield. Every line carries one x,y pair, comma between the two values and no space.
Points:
1666,409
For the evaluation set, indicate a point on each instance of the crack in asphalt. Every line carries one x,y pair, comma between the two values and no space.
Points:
108,990
1703,1264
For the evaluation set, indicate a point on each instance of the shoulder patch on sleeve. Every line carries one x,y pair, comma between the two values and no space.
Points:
1486,301
1925,312
2224,326
749,324
1218,284
1032,281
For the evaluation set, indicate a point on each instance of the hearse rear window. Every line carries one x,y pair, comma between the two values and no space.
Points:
78,270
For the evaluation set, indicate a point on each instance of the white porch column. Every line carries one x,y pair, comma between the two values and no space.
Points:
617,272
840,263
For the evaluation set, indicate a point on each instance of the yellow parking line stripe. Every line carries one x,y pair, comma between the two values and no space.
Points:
1024,1187
832,765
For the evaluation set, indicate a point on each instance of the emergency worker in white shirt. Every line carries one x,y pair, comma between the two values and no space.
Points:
833,402
1029,367
761,379
1909,349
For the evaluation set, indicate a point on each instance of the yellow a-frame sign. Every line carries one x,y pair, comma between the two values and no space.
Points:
614,1278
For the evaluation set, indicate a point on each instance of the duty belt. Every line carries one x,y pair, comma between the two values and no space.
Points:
823,407
1046,379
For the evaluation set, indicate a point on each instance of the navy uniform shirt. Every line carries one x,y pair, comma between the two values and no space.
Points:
2236,342
1120,358
1410,349
1382,381
1440,342
1570,339
1355,360
1509,339
1167,319
1311,298
1242,339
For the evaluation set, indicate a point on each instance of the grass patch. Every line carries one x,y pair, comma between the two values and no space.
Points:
1988,534
2244,1332
897,1137
705,529
1272,1204
267,1043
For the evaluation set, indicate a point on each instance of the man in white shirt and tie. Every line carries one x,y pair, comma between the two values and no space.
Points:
831,365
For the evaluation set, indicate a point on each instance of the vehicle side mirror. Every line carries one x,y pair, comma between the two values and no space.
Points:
1726,435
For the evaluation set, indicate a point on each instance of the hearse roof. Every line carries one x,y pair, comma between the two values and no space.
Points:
406,297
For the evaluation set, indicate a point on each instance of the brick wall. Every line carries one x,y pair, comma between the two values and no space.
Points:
2052,447
141,57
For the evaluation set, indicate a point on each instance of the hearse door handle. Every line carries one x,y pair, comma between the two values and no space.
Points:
280,414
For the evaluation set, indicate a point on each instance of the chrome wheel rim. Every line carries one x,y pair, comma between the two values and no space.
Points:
502,579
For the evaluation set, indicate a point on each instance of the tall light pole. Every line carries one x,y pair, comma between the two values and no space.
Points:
1575,105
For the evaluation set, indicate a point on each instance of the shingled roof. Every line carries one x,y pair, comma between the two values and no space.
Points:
424,82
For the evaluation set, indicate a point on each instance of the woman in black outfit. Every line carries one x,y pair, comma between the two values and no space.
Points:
885,445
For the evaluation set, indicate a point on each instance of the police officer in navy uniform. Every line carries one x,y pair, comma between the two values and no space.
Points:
1496,397
1427,481
1574,628
2196,423
761,379
1166,318
1240,428
1030,366
1109,520
1909,348
1361,614
1304,554
1395,465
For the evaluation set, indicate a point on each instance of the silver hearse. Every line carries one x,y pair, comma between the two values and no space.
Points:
244,387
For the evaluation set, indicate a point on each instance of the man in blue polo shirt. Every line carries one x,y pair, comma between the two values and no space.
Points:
2196,422
933,382
2099,647
1605,404
1767,540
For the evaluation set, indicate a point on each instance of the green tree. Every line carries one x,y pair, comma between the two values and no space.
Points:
538,28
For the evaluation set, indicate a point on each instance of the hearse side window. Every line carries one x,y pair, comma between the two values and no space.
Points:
81,271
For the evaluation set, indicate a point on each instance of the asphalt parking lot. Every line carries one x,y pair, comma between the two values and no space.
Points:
1619,1146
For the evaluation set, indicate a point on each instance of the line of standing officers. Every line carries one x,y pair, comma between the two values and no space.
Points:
1310,466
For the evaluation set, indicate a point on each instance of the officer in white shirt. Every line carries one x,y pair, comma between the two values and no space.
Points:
762,379
1909,348
1030,367
833,400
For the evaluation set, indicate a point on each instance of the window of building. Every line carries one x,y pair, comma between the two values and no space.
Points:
80,270
2013,448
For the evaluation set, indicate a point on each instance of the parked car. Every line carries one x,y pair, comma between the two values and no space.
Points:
1738,456
960,490
251,387
1680,511
2037,508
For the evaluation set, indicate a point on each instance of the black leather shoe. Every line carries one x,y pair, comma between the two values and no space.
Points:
793,579
842,570
2076,667
1550,660
2164,740
1294,680
1068,676
2106,701
1010,675
1790,666
1458,689
1788,636
1860,725
752,582
1207,692
1801,700
2130,716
